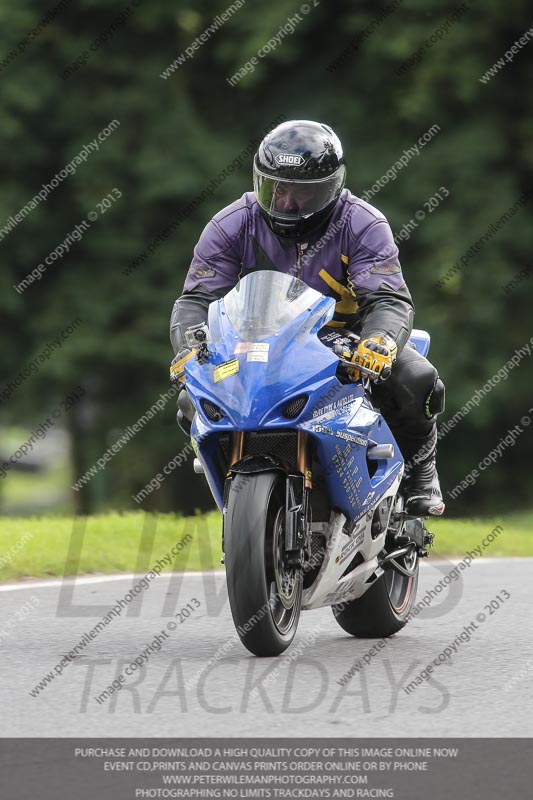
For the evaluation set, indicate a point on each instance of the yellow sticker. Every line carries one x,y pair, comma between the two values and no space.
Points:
226,370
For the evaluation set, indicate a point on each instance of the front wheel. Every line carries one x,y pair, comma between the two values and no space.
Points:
385,608
265,595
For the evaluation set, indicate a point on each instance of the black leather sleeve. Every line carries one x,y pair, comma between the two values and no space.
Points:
375,277
386,311
189,309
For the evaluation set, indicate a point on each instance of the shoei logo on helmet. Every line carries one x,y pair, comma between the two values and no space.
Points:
290,158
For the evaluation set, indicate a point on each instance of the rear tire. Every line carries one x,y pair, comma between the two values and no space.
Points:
383,610
265,597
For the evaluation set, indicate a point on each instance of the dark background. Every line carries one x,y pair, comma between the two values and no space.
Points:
178,134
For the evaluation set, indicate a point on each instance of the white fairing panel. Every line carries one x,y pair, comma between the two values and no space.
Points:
329,588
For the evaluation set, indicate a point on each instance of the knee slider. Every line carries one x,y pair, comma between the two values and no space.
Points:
435,400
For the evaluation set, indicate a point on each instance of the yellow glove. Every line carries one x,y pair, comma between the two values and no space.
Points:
177,368
376,353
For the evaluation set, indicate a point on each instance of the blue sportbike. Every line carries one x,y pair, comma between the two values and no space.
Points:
303,467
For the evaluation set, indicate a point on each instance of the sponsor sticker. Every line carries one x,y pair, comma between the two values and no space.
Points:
355,542
258,351
254,347
325,429
242,347
258,355
225,370
350,437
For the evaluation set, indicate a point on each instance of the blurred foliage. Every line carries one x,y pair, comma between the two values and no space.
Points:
175,135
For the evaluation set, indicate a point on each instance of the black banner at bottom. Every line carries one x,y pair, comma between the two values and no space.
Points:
126,769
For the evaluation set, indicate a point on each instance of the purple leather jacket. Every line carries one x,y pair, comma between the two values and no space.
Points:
354,260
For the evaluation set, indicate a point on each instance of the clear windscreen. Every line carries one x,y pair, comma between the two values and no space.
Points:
264,302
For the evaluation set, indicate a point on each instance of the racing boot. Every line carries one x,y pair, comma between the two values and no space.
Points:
420,486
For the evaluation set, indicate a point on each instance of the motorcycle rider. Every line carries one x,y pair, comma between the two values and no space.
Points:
301,220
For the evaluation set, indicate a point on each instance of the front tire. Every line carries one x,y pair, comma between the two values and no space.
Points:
384,609
265,596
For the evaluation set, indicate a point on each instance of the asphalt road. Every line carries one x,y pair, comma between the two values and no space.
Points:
201,682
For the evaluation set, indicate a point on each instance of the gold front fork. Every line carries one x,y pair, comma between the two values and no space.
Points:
302,456
302,453
237,447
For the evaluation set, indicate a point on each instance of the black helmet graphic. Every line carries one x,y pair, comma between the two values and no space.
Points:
299,173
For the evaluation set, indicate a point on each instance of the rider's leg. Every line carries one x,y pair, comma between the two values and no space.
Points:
410,401
186,411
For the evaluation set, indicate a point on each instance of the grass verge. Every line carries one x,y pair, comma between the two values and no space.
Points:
135,541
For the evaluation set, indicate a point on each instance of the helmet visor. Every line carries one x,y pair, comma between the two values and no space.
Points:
288,200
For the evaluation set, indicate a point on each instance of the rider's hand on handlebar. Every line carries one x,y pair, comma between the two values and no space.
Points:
177,367
376,353
196,338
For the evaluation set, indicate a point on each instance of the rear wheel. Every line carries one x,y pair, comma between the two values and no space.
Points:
265,595
385,608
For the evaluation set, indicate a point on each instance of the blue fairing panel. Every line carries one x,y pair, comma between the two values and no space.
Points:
251,381
421,340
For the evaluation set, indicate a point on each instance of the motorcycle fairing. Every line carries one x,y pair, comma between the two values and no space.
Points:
264,376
